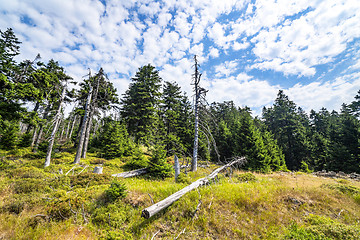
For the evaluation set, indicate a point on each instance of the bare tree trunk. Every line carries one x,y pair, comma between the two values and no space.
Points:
91,114
34,136
72,126
196,136
53,133
87,135
83,128
176,166
154,209
68,128
38,138
63,129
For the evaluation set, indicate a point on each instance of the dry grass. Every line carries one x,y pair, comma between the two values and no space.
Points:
230,209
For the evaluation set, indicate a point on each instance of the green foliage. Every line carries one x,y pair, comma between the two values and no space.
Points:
9,135
246,177
29,185
25,140
114,140
322,228
158,167
347,189
89,179
140,104
304,167
183,178
117,190
290,126
138,160
238,134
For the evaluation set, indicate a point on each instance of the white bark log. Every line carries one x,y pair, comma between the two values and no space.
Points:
154,209
133,173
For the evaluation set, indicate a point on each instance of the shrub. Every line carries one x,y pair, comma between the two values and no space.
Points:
89,179
318,227
29,185
137,161
16,206
304,167
117,190
183,178
25,140
246,177
158,167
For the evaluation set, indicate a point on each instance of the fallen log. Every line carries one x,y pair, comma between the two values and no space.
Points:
154,209
133,173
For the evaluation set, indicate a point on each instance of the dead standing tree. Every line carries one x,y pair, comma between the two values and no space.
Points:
199,91
83,125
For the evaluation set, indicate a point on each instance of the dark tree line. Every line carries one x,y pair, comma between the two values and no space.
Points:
155,117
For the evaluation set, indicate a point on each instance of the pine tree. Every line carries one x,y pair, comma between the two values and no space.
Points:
140,104
158,167
289,127
114,140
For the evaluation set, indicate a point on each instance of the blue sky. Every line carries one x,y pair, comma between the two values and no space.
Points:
247,50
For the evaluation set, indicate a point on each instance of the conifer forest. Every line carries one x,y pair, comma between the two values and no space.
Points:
54,130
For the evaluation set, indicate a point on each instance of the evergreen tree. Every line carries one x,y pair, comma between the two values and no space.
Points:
176,118
140,104
158,167
289,128
114,140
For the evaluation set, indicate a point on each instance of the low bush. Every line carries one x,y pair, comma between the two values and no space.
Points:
89,179
29,185
183,178
137,161
117,190
246,177
318,227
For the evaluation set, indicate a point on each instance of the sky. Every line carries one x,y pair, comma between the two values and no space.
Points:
247,50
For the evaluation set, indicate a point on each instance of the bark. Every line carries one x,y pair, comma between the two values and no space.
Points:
177,167
72,126
53,133
133,173
62,130
38,138
67,128
154,209
196,135
91,114
98,170
34,136
87,135
83,129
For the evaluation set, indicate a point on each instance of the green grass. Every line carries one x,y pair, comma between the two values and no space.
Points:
37,203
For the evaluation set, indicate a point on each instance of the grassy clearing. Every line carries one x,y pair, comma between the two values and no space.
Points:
43,204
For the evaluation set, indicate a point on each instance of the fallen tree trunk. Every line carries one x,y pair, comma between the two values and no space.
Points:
154,209
133,173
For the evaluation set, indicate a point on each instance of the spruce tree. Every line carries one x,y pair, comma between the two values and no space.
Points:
140,104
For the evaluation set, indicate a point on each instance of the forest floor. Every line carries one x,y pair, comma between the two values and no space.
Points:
38,203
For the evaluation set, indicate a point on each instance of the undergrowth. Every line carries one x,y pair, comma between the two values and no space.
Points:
37,203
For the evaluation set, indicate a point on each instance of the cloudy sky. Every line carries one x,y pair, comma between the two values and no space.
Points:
247,50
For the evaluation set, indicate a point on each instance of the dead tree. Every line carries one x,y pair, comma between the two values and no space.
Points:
198,91
83,126
91,113
53,133
154,209
133,173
